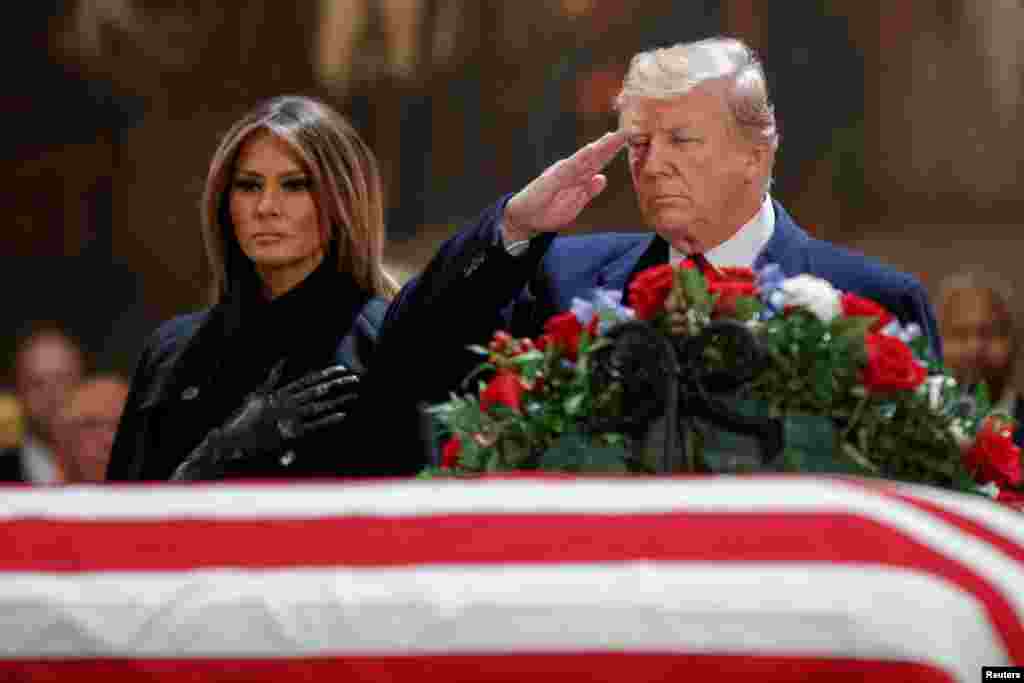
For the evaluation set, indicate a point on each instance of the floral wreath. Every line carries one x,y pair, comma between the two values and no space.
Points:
828,354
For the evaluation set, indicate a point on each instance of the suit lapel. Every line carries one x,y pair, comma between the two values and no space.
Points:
170,374
787,247
619,274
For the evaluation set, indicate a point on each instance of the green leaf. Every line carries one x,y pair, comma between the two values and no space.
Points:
694,288
852,328
572,453
923,350
493,461
814,438
963,481
479,370
516,453
573,404
747,308
982,400
526,357
433,472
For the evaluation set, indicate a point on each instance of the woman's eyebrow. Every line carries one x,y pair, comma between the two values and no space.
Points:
290,172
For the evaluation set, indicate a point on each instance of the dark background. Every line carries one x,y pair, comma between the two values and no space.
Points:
899,129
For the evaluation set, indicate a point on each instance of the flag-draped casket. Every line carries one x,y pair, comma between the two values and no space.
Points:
780,578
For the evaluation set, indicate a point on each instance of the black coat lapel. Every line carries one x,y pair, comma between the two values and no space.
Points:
656,254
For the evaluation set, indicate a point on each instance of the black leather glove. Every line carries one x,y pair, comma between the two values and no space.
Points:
270,418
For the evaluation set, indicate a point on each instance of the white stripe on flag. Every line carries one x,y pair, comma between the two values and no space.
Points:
409,498
827,610
998,518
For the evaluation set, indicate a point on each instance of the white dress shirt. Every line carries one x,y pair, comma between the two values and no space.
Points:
37,462
743,248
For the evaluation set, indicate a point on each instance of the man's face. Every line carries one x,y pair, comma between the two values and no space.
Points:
88,425
697,180
976,336
46,370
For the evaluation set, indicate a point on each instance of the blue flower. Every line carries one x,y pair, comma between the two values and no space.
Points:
606,304
608,298
583,310
769,283
905,334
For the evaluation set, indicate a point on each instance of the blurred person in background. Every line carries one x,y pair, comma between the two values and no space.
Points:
12,421
11,428
261,383
48,364
88,423
980,338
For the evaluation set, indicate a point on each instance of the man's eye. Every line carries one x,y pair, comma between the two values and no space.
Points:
680,139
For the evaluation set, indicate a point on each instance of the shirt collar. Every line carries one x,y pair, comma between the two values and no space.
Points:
743,248
37,462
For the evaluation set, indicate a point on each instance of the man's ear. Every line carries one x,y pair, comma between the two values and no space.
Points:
758,162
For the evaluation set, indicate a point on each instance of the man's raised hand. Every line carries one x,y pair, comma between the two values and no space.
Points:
555,198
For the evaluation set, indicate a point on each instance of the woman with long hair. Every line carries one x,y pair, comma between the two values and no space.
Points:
265,381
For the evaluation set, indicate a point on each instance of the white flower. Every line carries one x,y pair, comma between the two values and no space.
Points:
934,387
990,489
959,432
814,294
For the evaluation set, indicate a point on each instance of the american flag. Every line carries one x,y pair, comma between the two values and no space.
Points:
724,578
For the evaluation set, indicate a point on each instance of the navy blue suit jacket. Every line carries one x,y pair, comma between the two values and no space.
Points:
472,287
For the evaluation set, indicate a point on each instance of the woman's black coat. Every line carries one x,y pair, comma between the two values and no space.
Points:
195,370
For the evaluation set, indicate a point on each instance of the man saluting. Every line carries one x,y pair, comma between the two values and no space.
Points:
701,137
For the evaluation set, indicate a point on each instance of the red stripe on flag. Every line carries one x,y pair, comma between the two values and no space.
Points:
595,667
1006,623
172,544
965,524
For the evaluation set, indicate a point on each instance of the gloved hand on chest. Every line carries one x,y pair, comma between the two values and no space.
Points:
271,419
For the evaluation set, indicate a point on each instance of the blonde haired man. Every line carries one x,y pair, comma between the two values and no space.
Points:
701,136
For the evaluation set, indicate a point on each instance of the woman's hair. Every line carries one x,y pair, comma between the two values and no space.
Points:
346,182
669,72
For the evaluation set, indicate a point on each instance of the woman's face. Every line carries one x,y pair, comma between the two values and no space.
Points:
274,212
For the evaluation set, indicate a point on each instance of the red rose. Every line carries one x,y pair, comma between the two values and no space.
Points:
564,330
733,273
650,288
891,365
501,342
994,456
854,305
450,452
505,388
525,346
1014,499
728,292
